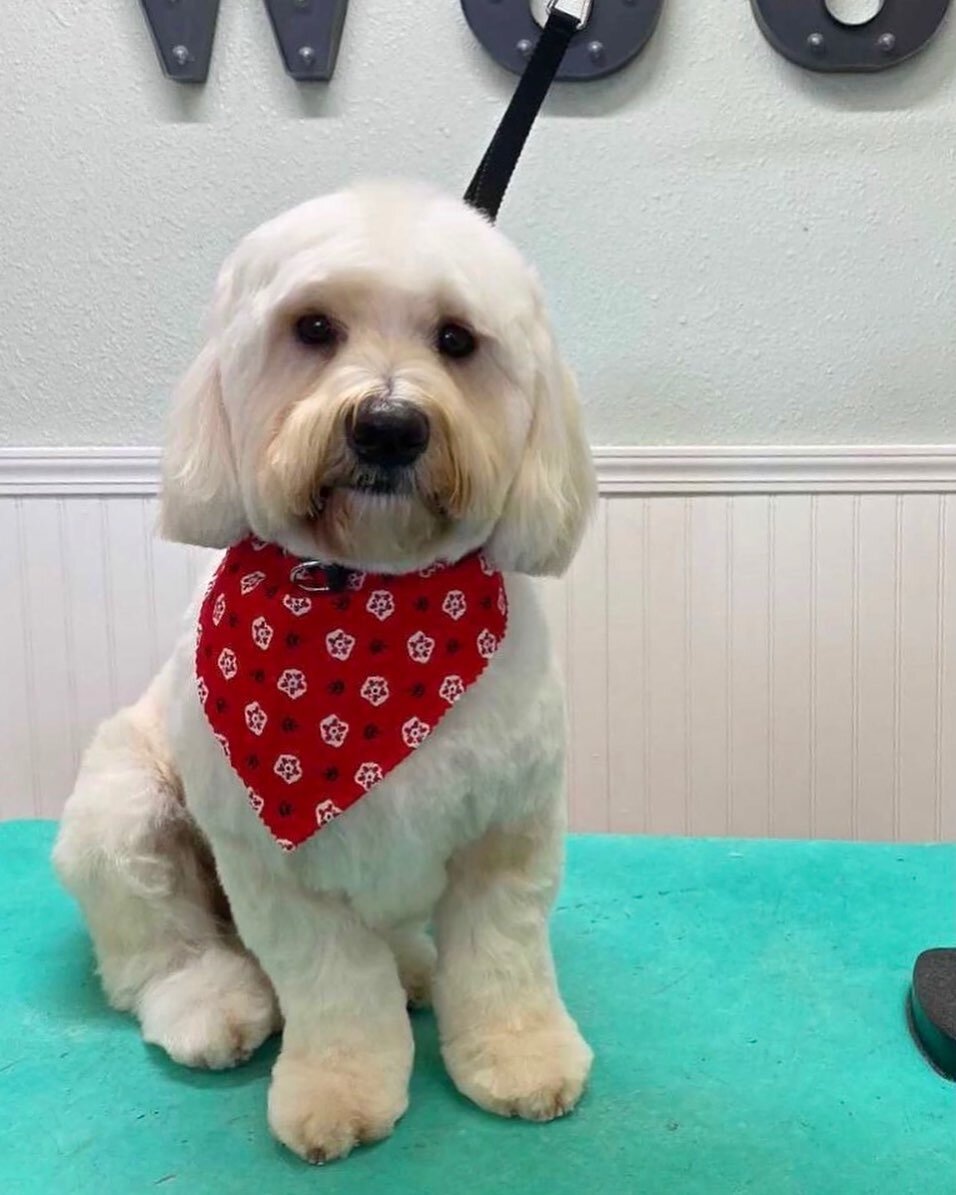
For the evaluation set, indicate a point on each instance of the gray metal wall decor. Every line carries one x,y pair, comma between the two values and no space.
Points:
182,32
612,34
308,33
806,32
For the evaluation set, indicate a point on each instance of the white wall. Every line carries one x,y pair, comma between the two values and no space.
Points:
736,251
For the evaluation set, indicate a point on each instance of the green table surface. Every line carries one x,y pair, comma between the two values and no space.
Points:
745,1000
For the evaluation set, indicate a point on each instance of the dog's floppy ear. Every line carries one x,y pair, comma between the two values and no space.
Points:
554,490
200,502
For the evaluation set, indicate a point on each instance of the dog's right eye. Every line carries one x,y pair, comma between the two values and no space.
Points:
316,331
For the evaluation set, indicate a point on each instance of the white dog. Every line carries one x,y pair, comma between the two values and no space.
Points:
379,391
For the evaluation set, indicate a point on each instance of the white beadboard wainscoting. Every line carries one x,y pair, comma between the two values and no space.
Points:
757,642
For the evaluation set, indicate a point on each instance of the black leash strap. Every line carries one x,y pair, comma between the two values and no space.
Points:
487,189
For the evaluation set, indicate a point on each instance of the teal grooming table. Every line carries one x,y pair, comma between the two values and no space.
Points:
746,1002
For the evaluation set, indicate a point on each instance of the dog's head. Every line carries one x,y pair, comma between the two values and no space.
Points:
380,388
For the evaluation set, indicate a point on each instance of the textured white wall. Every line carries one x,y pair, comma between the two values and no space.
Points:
737,251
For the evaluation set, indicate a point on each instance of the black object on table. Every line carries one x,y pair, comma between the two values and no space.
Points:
933,1007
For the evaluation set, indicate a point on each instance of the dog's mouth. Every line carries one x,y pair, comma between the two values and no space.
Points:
382,481
377,484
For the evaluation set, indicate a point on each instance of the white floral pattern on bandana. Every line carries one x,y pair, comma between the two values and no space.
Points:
256,717
333,730
420,647
356,581
454,604
255,800
325,812
381,604
415,732
261,633
228,665
452,687
250,582
368,774
288,768
218,610
292,682
339,644
375,690
487,645
296,604
202,689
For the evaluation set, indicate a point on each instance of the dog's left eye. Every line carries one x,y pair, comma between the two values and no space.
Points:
455,340
316,330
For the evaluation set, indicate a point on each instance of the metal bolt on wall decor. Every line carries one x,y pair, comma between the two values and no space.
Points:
308,33
808,33
612,32
182,32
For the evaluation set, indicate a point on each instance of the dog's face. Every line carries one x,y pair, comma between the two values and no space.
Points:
380,389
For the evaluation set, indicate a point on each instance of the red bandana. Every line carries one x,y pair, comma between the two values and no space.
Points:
317,692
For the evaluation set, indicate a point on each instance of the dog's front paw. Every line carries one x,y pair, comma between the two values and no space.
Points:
213,1012
537,1072
321,1108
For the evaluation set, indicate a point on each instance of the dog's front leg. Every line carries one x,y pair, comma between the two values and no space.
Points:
342,1076
507,1038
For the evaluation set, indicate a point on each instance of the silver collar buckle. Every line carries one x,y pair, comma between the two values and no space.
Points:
335,577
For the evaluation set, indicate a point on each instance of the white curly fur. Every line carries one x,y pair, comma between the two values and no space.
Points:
467,833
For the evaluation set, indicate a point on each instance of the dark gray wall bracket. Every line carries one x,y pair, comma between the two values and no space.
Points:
308,33
808,34
182,32
615,33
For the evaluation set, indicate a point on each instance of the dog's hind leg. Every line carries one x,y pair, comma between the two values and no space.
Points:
130,853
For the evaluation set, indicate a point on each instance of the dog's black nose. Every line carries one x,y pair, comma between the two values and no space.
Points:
388,433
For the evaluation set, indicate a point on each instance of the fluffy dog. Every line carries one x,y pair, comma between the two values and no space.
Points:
380,390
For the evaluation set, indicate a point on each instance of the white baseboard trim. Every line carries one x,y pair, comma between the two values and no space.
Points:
929,468
805,470
78,472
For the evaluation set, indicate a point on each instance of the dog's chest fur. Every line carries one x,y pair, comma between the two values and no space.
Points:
492,759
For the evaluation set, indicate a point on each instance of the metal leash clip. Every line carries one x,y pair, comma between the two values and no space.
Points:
604,37
579,9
